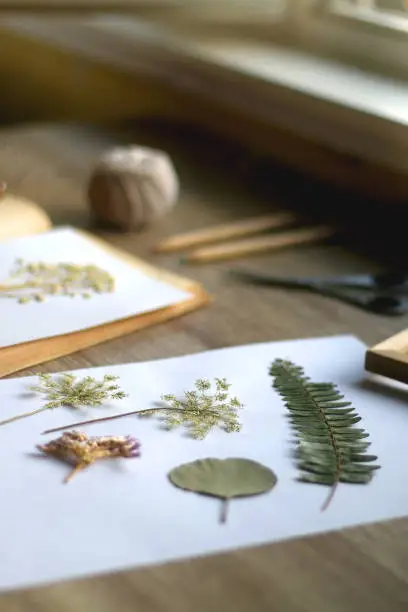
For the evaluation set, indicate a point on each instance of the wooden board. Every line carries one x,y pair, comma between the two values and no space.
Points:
390,357
28,354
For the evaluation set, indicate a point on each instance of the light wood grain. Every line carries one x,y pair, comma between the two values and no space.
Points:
358,570
389,358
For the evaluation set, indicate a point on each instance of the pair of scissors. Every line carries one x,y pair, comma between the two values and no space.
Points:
385,293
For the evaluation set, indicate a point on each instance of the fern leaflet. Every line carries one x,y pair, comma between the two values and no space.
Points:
329,448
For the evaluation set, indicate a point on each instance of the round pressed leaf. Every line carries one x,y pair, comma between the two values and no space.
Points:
224,478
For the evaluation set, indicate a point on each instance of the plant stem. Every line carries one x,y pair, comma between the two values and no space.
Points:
23,416
330,495
74,472
336,452
116,416
224,510
29,285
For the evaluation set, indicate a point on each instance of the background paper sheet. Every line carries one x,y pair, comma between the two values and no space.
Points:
136,292
125,513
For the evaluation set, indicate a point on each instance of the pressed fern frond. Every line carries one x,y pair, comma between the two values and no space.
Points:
329,449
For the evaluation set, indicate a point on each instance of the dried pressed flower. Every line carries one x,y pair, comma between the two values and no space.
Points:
199,409
39,280
80,451
68,390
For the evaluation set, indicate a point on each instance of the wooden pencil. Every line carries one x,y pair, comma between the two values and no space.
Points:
259,244
219,233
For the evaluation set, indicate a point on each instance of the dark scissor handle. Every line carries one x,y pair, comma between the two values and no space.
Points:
373,299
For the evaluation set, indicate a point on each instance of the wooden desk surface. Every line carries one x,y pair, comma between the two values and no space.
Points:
364,568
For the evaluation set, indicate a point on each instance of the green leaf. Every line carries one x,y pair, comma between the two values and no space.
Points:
330,449
224,478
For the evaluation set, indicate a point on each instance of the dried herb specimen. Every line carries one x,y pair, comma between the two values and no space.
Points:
80,451
39,280
67,390
224,478
330,450
200,410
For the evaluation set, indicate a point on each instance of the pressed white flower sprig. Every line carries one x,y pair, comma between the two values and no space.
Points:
36,281
81,451
201,410
68,390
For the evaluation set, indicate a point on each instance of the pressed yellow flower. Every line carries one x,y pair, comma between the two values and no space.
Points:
39,280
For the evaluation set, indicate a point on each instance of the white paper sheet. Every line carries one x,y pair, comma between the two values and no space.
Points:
135,293
125,513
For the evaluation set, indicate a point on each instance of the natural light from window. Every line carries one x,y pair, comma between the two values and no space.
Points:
387,13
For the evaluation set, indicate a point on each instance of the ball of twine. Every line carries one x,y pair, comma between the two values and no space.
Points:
131,187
